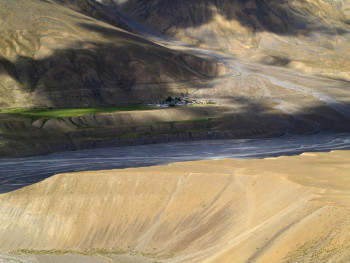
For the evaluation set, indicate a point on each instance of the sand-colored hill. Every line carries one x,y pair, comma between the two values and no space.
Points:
51,55
310,36
285,209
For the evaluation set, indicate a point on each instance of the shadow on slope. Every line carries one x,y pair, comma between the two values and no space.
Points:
119,68
94,10
279,17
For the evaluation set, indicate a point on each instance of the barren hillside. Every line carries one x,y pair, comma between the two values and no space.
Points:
285,209
244,61
53,56
311,36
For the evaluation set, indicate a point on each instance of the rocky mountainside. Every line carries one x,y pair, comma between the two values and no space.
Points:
245,59
311,36
53,56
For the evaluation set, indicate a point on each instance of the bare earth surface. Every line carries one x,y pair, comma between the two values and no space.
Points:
16,173
271,67
284,209
309,36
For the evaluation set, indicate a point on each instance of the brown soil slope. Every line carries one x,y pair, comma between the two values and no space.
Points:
95,10
285,209
51,55
311,36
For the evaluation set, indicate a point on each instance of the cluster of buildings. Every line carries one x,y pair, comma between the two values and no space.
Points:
178,102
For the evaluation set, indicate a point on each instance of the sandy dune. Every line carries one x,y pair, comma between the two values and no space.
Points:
286,209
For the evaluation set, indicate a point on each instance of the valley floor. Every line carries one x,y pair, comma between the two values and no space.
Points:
252,100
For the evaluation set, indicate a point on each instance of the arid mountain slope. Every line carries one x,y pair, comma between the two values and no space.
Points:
285,209
51,55
73,54
95,10
311,36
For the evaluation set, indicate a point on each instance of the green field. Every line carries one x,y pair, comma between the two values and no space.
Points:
71,112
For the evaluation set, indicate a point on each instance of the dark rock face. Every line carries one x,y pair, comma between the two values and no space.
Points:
284,17
96,10
257,15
